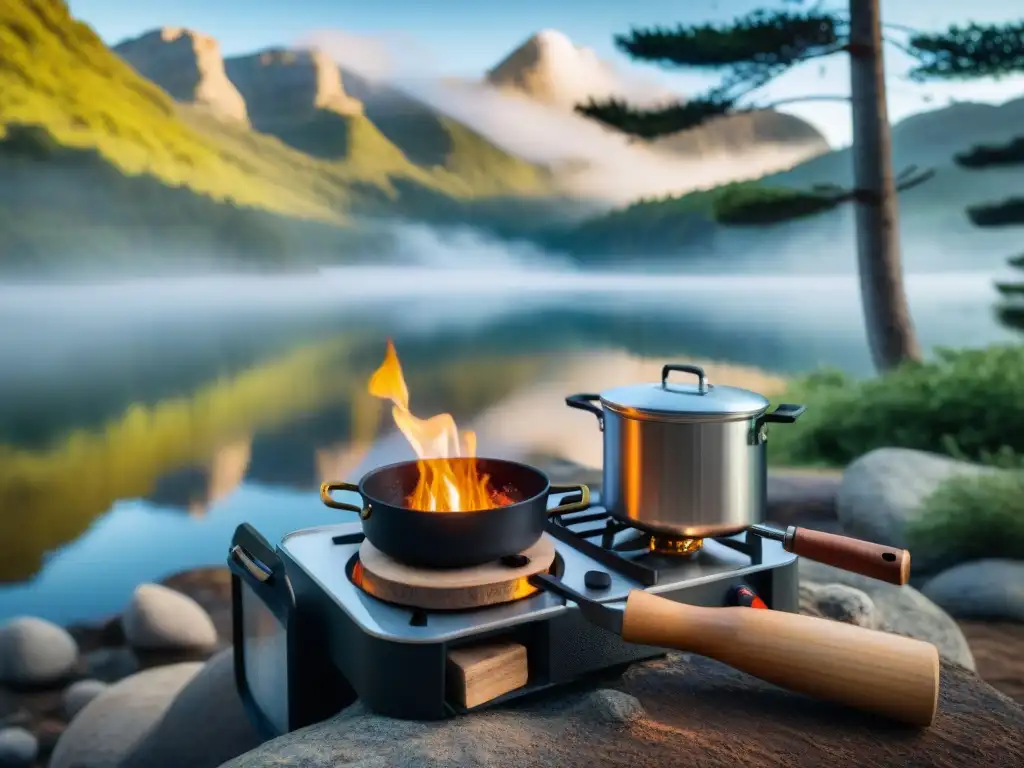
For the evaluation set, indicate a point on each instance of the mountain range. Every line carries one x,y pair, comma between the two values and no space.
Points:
162,152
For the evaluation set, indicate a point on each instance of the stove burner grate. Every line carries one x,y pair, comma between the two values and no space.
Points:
601,542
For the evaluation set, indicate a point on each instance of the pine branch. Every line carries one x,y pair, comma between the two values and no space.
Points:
1007,213
651,123
804,100
762,38
985,156
969,52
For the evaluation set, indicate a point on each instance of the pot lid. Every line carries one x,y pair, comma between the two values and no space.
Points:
684,399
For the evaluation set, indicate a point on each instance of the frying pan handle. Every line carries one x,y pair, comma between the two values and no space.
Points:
326,489
891,675
570,506
586,403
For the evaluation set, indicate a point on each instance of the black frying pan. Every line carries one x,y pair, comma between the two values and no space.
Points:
454,539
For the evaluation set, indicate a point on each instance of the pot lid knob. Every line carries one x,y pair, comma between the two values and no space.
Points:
696,370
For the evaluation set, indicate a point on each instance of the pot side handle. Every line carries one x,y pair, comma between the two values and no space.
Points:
586,403
785,413
326,489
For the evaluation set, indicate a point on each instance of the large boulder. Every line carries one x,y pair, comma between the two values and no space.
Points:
902,610
983,589
180,716
161,619
205,725
80,693
679,710
115,722
34,652
882,492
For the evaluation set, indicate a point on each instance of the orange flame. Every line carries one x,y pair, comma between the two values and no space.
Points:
443,485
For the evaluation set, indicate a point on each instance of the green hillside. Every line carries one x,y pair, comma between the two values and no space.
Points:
110,172
659,227
56,73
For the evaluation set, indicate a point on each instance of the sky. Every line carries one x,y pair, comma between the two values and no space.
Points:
463,38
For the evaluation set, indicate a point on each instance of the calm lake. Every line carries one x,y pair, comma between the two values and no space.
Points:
141,422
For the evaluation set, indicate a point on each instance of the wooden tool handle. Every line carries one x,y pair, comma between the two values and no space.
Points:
864,557
890,675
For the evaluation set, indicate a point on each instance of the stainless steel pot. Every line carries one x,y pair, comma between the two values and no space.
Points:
686,460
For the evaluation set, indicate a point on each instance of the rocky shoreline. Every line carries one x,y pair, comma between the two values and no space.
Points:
154,686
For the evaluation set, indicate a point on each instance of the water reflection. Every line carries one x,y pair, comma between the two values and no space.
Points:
116,469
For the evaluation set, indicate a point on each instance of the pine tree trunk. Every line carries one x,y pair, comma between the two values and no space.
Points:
890,330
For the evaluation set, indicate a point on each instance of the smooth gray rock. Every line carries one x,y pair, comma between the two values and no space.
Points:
18,748
838,602
989,590
113,724
35,652
902,610
884,490
160,619
204,726
78,694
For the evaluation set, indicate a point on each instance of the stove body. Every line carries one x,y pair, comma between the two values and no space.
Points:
308,641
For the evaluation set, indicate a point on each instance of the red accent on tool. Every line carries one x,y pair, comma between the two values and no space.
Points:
744,596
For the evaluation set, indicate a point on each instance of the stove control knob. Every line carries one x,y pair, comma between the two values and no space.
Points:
597,580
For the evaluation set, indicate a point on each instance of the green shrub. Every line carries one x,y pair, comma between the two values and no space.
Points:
969,518
965,403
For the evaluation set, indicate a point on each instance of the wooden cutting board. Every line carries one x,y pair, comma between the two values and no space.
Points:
452,589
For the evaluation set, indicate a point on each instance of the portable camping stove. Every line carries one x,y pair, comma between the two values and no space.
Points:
309,638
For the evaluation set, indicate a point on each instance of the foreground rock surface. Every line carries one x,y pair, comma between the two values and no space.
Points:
998,648
674,712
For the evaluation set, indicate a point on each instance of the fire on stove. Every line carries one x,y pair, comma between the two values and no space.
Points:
443,485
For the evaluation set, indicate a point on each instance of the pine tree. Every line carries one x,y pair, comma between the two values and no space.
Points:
975,51
752,51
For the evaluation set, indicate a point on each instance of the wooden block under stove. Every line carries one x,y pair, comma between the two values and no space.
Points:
480,673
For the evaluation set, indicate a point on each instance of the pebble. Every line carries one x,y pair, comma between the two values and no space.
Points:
158,618
35,652
18,748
